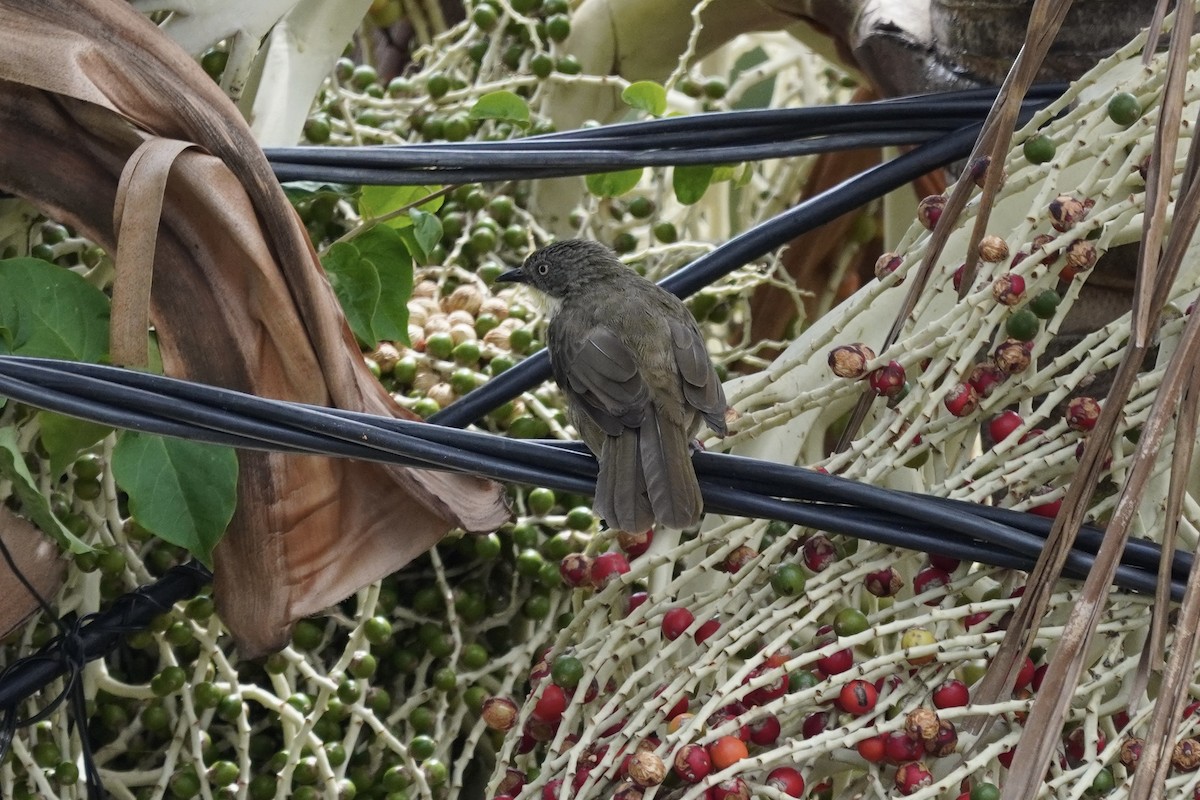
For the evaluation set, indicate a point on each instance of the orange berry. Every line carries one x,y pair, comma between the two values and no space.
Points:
727,750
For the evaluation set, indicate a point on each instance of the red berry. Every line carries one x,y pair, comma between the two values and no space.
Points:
819,552
858,697
888,380
738,558
886,264
787,780
635,602
580,778
1082,413
635,544
776,687
550,790
836,662
1002,426
884,582
551,705
576,569
931,579
984,379
943,562
873,749
512,783
1025,676
733,711
692,763
676,621
957,278
706,630
912,777
1006,758
929,210
814,724
898,748
607,567
1008,289
951,694
962,400
765,732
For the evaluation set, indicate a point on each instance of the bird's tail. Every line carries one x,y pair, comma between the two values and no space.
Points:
670,480
621,499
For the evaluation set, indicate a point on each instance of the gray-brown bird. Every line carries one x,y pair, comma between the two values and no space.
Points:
637,378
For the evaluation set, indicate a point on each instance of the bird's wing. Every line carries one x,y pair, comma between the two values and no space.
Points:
701,387
601,373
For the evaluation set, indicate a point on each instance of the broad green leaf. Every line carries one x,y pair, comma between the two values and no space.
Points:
613,184
427,230
504,106
646,96
66,437
690,183
356,283
388,253
34,504
725,172
378,201
184,492
51,312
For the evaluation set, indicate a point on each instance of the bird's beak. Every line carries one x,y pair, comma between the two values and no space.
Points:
512,276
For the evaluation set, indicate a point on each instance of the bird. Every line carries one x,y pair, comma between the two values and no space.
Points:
637,379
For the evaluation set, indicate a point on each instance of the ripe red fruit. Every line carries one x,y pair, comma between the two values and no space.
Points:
944,563
951,694
814,724
550,790
1002,425
898,748
873,749
787,780
706,630
819,552
930,579
513,782
765,732
635,602
1082,413
607,567
1025,676
726,751
887,381
884,582
576,569
733,711
984,378
957,278
858,697
676,621
692,763
777,687
836,662
929,210
635,544
551,705
962,400
912,776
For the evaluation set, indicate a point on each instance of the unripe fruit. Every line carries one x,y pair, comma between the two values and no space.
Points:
917,637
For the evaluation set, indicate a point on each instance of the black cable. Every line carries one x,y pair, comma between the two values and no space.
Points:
822,501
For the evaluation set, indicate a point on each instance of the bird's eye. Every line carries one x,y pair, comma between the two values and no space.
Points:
543,269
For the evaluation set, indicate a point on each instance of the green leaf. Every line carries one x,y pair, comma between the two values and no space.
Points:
646,96
378,201
66,437
51,312
613,184
690,183
504,106
34,504
387,251
356,283
184,492
427,230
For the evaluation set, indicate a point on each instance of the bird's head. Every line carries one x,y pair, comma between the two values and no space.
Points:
565,268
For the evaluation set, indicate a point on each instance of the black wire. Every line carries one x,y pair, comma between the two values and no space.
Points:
822,501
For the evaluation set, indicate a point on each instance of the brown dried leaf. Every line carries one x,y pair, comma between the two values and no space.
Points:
238,300
37,558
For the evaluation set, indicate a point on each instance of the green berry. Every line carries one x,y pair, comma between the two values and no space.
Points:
569,65
788,580
540,501
487,547
580,518
307,635
445,679
566,671
541,65
474,656
437,85
1038,149
363,76
485,17
1022,325
422,747
558,27
529,562
439,345
1124,109
223,773
168,681
317,129
1044,304
665,232
985,791
850,621
377,630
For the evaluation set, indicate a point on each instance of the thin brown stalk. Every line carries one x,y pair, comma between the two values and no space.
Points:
1044,21
1148,783
1154,31
1044,725
1015,645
